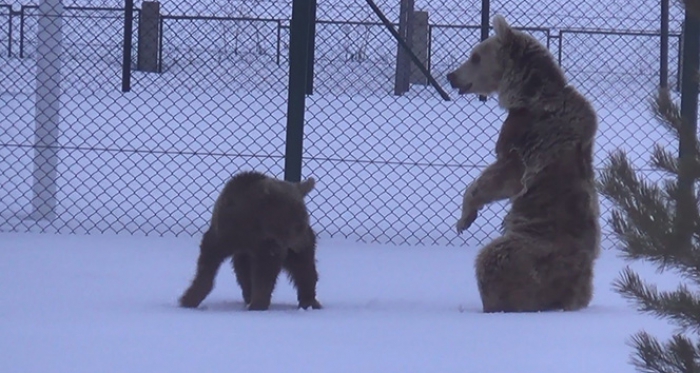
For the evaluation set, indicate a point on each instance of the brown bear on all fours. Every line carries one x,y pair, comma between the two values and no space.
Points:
551,236
263,224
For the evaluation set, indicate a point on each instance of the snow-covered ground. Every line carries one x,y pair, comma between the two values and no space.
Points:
390,169
107,303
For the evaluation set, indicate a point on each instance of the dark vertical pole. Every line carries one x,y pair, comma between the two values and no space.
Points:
128,31
298,68
689,85
9,36
409,41
561,44
147,36
663,53
403,44
686,210
279,40
430,47
21,32
485,15
403,64
160,45
680,61
312,47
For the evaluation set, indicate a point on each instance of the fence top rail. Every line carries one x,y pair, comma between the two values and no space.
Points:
89,8
612,32
217,18
445,25
527,28
354,23
547,30
478,27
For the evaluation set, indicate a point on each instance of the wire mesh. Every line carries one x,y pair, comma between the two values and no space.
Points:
146,161
207,97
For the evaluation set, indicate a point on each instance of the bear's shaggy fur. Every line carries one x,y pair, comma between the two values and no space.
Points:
263,224
551,236
512,128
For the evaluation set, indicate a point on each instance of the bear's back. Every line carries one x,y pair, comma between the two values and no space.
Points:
252,208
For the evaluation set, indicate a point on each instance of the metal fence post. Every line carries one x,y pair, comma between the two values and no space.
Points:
299,30
680,61
47,117
419,45
9,32
279,41
21,32
688,135
407,49
311,48
160,44
485,21
128,33
403,64
663,53
148,38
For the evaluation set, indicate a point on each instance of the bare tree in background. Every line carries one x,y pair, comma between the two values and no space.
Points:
237,33
659,223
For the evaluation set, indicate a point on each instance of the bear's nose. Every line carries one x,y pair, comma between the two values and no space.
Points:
450,77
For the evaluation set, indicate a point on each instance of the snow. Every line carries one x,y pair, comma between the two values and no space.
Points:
389,169
107,303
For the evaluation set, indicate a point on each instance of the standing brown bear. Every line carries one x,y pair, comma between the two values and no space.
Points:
544,164
263,223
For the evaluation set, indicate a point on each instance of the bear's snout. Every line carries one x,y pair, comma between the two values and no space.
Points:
454,83
465,89
451,78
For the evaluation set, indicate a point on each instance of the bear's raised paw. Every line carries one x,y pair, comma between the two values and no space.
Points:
466,222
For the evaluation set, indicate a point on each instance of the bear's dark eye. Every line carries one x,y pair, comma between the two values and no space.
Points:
476,58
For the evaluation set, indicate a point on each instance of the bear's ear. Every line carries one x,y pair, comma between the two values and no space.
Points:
501,26
306,186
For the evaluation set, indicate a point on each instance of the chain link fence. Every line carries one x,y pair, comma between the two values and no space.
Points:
87,145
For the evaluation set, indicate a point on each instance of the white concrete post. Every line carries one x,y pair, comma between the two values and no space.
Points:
48,94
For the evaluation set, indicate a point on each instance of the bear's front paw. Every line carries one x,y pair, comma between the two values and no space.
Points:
188,300
314,304
466,221
258,306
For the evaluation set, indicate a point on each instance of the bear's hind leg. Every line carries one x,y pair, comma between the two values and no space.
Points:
579,289
208,263
242,270
506,278
566,275
301,267
266,264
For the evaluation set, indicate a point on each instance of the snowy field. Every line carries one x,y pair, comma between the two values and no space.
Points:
390,170
106,303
